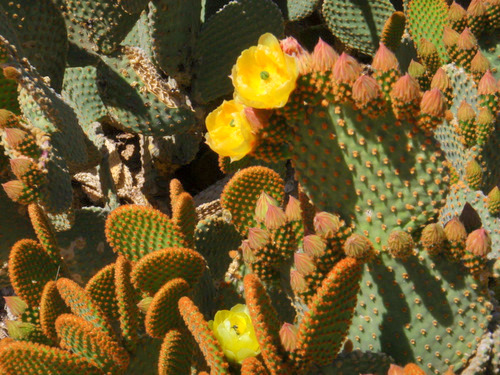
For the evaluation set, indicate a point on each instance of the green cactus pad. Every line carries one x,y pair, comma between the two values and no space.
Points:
237,26
439,325
96,25
214,238
85,237
326,323
81,92
175,354
266,324
8,88
146,104
30,268
135,231
82,305
42,33
242,191
358,24
296,10
33,330
44,232
371,160
173,27
85,340
11,218
204,336
421,14
159,267
163,314
145,358
127,298
358,362
32,359
132,6
184,216
139,36
51,306
101,289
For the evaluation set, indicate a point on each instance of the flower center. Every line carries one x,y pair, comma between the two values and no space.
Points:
232,124
264,75
235,327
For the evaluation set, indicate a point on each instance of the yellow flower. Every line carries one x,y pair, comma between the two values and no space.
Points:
234,331
264,76
229,131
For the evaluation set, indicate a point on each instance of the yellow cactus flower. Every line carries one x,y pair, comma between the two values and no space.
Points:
229,131
234,331
264,76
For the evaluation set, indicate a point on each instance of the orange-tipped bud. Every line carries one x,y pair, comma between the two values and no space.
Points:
432,109
467,124
415,69
400,244
395,370
288,336
450,37
365,90
248,255
488,92
15,305
8,119
10,72
297,281
385,60
292,47
144,304
433,239
21,166
14,189
429,55
494,201
473,174
14,136
466,48
324,56
413,369
367,95
457,17
326,224
258,238
467,41
405,98
314,245
275,217
485,125
293,211
478,243
455,230
359,247
465,112
441,81
303,263
479,65
258,118
263,203
487,85
346,70
477,16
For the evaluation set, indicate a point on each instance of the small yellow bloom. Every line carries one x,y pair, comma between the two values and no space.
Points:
264,76
234,331
229,131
